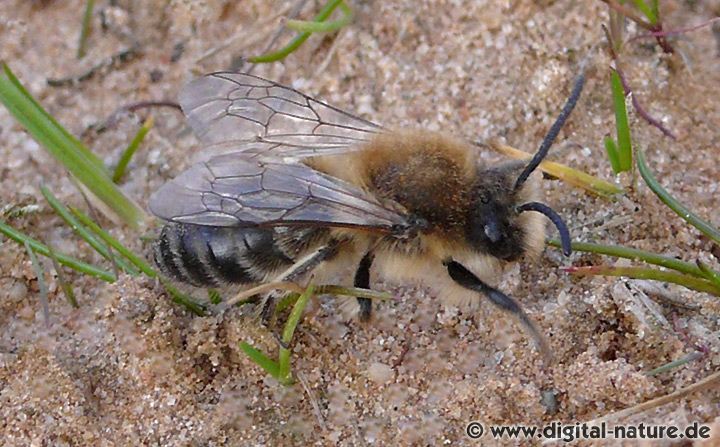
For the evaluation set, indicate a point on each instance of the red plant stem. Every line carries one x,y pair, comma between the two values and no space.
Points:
685,336
674,32
145,104
661,40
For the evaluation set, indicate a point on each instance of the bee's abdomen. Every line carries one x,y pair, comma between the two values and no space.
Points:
210,256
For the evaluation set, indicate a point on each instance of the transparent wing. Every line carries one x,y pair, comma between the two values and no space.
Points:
234,190
245,113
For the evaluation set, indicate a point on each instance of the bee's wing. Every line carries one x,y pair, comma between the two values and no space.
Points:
245,113
234,190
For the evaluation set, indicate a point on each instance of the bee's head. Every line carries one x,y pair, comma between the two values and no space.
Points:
496,224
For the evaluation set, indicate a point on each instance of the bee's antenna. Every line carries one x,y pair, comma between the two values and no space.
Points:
554,130
554,218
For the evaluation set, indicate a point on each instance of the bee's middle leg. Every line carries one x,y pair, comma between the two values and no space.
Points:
362,279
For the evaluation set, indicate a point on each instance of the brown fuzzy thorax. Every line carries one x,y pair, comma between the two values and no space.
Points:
428,174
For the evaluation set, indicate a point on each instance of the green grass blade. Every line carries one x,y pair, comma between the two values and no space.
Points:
704,227
85,29
284,364
635,255
40,274
296,314
131,149
612,151
624,147
691,282
696,355
565,173
66,286
357,292
9,76
69,151
294,44
331,289
214,297
69,261
181,298
656,9
310,26
649,12
710,274
114,243
88,269
286,301
289,331
270,366
281,53
81,231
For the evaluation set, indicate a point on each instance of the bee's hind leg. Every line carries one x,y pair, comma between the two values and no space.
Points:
267,308
465,278
302,266
308,262
362,279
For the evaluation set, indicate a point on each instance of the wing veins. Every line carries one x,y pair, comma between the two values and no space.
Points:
219,103
307,98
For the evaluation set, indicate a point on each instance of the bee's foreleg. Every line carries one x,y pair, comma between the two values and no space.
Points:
465,278
362,279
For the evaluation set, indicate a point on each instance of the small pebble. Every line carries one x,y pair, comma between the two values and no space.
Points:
380,373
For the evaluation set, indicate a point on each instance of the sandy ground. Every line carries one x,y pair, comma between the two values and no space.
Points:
131,368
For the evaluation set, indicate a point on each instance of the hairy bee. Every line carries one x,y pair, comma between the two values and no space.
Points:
304,186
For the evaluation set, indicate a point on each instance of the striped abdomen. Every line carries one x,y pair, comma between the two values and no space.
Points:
211,256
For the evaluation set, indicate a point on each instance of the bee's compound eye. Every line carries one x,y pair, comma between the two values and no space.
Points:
492,231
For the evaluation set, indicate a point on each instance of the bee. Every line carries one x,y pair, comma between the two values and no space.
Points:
303,186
